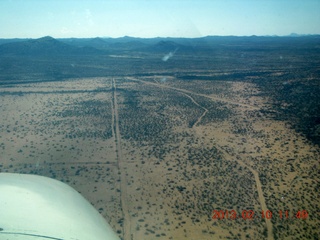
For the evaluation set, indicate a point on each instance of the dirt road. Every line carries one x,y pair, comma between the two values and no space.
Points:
224,100
123,179
254,172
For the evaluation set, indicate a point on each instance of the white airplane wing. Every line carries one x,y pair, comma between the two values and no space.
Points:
34,207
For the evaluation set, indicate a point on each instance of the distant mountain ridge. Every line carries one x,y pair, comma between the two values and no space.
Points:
44,46
101,46
51,46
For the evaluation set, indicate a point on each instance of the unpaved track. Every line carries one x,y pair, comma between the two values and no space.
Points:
260,192
262,200
195,102
197,94
254,172
123,179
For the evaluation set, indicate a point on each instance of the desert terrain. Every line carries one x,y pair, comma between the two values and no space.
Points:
158,146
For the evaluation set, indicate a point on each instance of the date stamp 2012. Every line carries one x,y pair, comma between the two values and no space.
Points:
250,214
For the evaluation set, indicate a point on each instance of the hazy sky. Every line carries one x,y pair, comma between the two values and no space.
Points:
152,18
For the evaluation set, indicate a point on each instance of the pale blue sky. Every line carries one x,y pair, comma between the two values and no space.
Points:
152,18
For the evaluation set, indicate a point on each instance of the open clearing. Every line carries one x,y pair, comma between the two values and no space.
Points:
157,157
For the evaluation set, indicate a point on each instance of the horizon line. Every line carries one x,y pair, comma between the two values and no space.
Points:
126,36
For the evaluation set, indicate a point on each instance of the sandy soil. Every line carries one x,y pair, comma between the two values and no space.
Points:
166,186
